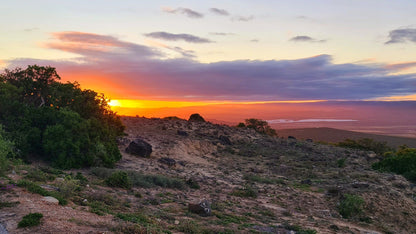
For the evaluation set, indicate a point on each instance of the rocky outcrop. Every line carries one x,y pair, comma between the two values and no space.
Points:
139,148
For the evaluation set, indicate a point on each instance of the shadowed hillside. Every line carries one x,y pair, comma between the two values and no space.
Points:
336,135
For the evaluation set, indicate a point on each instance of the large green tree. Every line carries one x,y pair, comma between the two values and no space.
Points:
58,122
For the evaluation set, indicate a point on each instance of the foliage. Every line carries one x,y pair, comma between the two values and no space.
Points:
247,191
351,205
141,180
6,150
119,179
341,162
30,220
58,122
402,162
260,126
134,218
34,188
366,144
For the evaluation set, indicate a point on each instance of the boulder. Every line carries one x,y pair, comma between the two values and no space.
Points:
203,208
140,148
50,200
168,161
225,140
196,118
182,133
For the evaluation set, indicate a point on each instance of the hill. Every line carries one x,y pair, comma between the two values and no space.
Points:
247,183
337,135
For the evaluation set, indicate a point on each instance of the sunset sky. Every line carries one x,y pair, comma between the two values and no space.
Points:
146,54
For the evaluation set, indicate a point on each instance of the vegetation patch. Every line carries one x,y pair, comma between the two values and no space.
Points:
351,206
119,179
402,162
247,191
30,220
366,144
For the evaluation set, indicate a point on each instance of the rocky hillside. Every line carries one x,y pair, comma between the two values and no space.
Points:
206,178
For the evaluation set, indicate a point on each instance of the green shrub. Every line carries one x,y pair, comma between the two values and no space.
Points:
403,163
193,184
30,220
247,191
32,187
341,162
260,126
366,144
57,122
119,179
140,180
134,218
6,150
351,205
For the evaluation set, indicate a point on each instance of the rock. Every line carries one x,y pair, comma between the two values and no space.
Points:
203,208
182,133
49,187
3,229
177,222
309,140
291,137
51,200
307,181
140,148
168,161
225,140
196,118
360,185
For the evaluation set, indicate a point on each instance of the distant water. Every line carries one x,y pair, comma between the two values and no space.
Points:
285,121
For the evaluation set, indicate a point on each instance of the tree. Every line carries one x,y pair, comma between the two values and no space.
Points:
58,122
260,126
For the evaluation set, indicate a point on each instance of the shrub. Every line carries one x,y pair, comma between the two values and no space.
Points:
30,220
403,163
247,191
351,205
58,122
260,126
366,144
6,150
119,179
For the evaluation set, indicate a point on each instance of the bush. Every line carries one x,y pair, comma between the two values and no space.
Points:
260,126
403,162
366,144
119,179
6,150
30,220
247,191
57,122
351,205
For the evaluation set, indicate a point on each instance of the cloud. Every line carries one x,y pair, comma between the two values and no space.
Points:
401,66
177,37
31,29
185,11
242,18
219,11
305,39
222,34
402,35
132,71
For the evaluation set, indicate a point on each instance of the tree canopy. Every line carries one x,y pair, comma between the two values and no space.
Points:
57,122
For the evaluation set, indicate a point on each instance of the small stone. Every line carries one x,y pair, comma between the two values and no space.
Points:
51,200
177,222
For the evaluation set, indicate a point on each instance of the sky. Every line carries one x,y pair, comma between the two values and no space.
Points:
144,54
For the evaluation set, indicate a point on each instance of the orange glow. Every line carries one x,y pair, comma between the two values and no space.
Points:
411,97
128,103
144,107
